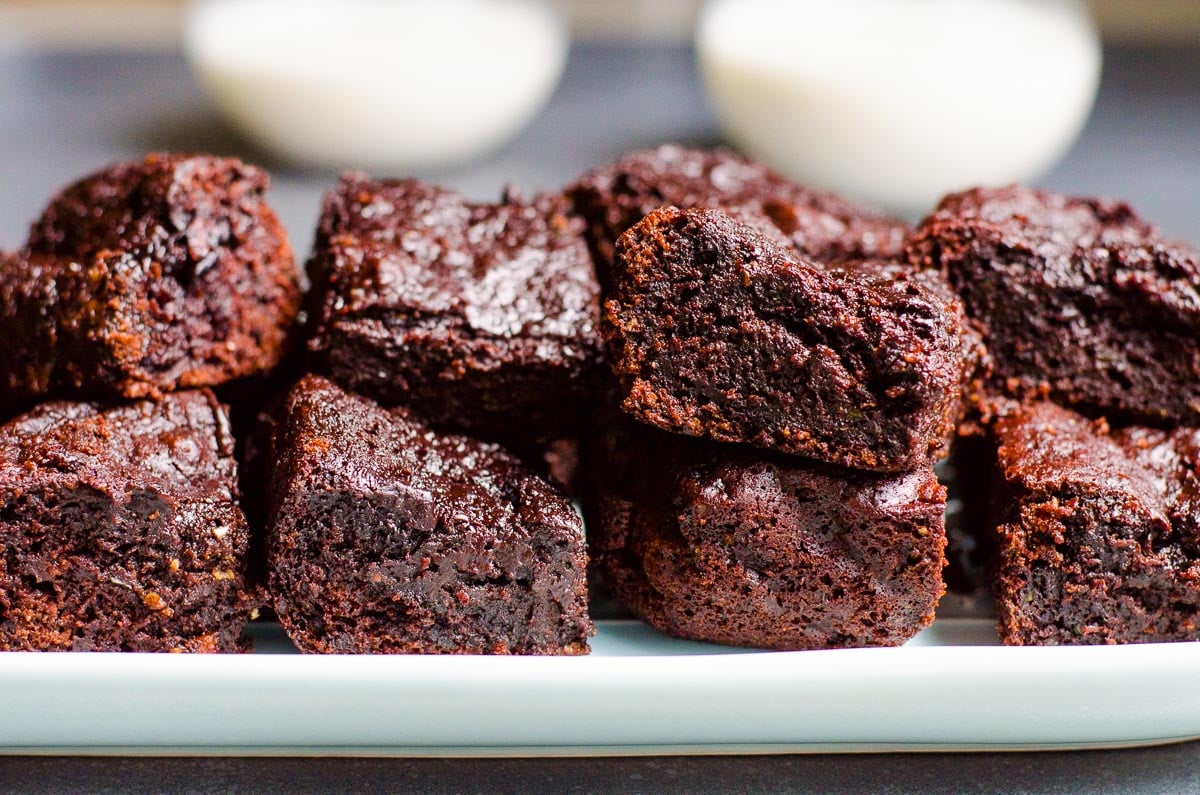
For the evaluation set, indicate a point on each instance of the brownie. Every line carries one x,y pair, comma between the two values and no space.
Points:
388,537
1079,300
27,307
821,225
121,529
482,317
714,330
1098,531
730,545
162,274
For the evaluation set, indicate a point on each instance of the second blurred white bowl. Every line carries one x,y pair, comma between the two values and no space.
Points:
898,102
390,86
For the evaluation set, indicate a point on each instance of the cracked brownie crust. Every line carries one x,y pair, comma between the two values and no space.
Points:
480,316
120,529
387,537
714,330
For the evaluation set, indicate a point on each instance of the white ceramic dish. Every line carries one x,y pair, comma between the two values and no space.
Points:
898,102
391,86
639,692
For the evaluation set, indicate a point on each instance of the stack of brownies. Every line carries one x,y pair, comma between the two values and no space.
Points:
758,379
140,287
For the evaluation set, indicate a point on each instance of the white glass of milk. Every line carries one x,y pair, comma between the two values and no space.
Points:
898,102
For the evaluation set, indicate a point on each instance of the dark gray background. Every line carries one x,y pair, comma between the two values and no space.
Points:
64,115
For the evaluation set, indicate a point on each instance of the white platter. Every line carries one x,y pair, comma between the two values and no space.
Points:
639,692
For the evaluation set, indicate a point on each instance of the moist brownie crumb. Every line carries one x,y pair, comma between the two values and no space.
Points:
387,537
713,330
730,545
121,530
167,273
974,361
480,316
1079,300
820,225
1097,530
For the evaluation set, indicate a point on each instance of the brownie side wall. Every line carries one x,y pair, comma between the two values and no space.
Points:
1078,300
1104,349
511,390
82,573
351,575
1084,570
28,357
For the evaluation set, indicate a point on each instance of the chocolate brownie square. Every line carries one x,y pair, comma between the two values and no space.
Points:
714,330
820,225
1078,299
387,537
480,316
167,273
120,529
730,545
1097,530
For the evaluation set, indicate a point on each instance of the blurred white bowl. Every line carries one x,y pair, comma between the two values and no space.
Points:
898,102
375,84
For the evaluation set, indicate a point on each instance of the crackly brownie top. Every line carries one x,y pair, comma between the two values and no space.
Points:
1072,243
513,269
181,210
1051,453
1048,449
821,225
180,446
331,440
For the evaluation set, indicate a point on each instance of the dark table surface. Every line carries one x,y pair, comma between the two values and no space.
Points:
63,115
